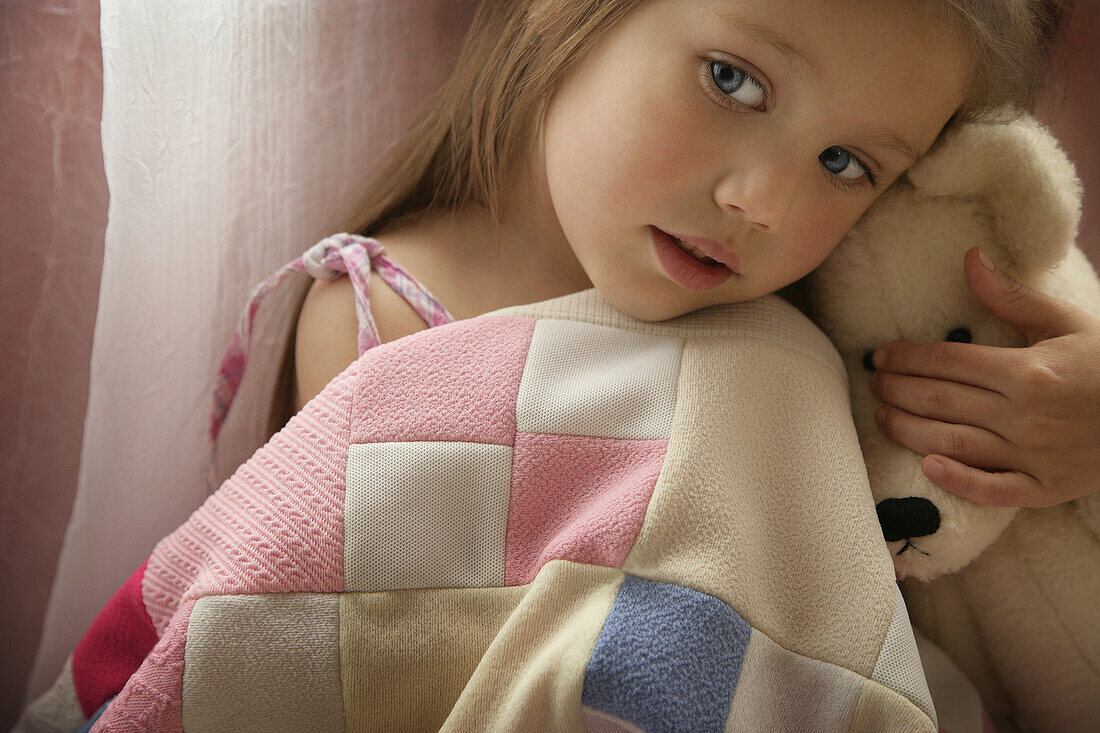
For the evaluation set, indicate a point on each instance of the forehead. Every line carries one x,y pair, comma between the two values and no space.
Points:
895,69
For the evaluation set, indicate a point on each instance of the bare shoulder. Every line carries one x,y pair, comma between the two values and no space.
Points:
326,336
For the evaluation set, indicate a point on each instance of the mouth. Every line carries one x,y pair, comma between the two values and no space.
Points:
694,251
910,546
691,263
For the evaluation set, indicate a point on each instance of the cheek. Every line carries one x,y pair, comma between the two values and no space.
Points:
624,150
817,229
822,226
669,156
675,142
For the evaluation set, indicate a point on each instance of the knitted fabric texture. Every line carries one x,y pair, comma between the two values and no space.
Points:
548,518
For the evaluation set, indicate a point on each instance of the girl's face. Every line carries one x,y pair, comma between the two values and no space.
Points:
765,127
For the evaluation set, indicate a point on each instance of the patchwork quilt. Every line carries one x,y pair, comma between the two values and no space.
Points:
553,517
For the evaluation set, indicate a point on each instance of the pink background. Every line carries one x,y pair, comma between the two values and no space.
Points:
53,211
53,207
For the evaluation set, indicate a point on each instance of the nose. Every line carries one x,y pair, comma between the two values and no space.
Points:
760,191
903,519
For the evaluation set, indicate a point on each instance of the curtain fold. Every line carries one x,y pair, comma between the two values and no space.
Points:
235,135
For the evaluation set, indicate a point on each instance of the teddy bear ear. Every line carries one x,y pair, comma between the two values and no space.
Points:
1018,169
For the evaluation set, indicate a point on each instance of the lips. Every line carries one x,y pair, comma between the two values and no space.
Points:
695,252
680,257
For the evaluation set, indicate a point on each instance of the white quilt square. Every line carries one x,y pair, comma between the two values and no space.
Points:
585,379
426,515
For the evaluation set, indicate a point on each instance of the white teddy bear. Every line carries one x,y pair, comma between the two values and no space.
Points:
1012,596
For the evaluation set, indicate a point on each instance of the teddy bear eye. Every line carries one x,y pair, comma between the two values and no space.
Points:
868,361
961,334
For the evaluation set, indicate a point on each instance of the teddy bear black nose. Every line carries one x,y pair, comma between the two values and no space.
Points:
961,334
907,518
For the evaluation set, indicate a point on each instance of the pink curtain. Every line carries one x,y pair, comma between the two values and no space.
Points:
1073,113
53,207
53,212
232,136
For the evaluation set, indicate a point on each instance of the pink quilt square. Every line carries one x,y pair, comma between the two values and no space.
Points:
456,382
577,498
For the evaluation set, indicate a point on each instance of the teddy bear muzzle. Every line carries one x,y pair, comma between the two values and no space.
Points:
907,518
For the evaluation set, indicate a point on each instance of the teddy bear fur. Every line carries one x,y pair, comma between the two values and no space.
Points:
1009,594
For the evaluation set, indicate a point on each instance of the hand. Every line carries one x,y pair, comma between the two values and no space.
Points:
1008,426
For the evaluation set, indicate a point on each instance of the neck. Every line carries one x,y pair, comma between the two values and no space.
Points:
527,244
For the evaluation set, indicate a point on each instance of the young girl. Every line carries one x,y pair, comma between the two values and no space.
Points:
673,154
677,154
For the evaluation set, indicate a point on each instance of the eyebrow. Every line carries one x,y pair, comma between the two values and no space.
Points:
796,60
892,141
799,65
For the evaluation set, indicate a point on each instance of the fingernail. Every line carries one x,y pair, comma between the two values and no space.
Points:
933,469
986,261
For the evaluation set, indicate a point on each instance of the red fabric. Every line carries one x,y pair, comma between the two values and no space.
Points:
114,647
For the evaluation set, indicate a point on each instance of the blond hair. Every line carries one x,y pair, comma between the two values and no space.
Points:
1016,45
517,51
514,55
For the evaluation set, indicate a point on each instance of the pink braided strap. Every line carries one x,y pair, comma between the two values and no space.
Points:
333,256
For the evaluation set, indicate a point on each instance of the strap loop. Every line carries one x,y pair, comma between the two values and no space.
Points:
336,255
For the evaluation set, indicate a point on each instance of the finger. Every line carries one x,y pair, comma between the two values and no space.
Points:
971,445
1003,488
988,367
944,401
1034,314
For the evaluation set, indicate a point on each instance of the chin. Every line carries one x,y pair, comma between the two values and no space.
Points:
647,309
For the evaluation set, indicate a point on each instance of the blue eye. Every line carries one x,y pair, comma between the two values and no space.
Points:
843,164
732,80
